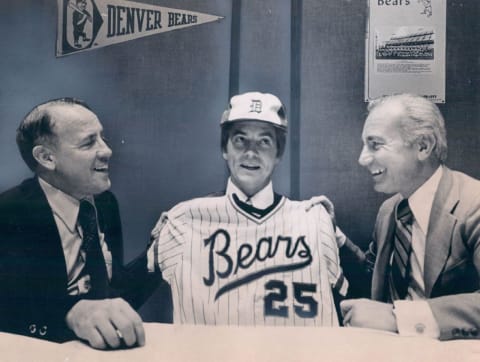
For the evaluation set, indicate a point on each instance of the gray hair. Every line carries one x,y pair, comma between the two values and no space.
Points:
423,118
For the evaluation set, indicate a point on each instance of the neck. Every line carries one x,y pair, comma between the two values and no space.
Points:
52,180
424,173
250,192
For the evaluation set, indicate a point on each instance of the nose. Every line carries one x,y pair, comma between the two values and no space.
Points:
104,150
251,148
365,157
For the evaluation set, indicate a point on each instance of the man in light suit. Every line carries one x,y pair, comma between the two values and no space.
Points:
426,247
61,272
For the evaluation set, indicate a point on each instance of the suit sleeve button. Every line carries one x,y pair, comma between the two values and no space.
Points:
420,328
43,330
474,332
32,328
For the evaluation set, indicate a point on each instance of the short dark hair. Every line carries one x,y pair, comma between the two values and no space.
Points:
280,135
37,128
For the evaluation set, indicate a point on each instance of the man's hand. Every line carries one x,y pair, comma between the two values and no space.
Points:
328,205
106,323
366,313
325,202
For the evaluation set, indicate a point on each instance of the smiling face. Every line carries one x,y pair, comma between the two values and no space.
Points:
79,153
251,155
393,163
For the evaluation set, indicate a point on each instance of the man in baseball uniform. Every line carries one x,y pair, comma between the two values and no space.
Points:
250,256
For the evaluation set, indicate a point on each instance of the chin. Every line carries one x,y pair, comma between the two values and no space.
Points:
380,188
107,186
103,187
385,191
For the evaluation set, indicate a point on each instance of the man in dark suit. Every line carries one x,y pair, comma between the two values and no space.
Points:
61,272
426,246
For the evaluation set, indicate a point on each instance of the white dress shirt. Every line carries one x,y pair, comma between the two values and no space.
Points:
261,200
65,212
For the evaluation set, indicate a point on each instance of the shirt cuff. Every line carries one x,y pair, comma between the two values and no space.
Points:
415,318
340,237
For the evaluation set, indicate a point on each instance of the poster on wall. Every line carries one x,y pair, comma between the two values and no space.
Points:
90,24
405,48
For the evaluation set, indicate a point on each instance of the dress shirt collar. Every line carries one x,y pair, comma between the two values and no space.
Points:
421,200
261,200
63,205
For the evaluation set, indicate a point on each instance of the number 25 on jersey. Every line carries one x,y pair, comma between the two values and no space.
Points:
307,306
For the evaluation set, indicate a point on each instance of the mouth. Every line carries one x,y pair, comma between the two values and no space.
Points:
376,173
102,169
250,167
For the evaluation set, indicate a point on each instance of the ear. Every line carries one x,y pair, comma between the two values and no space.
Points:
277,160
426,145
224,155
44,157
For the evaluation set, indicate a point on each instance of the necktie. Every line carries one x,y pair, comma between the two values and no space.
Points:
402,248
95,262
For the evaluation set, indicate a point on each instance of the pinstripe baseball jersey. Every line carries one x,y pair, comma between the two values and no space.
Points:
231,264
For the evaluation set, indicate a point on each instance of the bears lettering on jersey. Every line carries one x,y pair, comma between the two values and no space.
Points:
266,248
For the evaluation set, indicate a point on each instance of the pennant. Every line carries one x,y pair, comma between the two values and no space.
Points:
91,24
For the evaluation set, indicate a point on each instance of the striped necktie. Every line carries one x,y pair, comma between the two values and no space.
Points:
402,247
95,262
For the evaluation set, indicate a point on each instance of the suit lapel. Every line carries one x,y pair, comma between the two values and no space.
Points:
48,246
384,237
440,228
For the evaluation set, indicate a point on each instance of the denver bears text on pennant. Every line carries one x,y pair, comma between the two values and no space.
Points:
89,24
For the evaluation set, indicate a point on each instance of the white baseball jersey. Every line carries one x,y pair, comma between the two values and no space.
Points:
228,265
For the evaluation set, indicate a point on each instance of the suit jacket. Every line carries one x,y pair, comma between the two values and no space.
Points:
452,255
33,275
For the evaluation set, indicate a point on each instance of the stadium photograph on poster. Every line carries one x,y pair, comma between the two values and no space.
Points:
406,49
405,43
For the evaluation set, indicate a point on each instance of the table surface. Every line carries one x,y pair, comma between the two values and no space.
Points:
166,342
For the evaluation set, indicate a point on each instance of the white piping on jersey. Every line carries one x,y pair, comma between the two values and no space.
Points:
253,218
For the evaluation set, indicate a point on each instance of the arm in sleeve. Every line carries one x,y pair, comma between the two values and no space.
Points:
166,250
458,316
29,306
131,282
331,252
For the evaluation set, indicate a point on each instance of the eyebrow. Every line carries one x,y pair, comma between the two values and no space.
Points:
89,137
262,134
374,138
238,131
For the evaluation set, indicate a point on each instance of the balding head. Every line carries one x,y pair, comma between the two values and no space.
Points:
38,127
